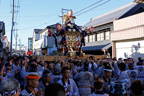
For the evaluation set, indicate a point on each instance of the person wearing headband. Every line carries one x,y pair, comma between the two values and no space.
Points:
45,81
107,78
10,87
32,84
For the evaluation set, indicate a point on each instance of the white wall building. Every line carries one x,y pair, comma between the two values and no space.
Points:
41,42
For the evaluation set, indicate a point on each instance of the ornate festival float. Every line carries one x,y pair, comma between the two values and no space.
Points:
69,37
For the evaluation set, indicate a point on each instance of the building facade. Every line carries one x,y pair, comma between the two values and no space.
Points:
30,42
100,42
42,43
36,44
128,37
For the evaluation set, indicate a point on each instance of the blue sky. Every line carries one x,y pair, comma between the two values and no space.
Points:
37,14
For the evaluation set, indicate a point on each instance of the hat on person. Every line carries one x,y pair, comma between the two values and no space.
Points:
118,88
106,64
10,87
32,76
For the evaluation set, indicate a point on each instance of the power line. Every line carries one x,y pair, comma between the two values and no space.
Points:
94,7
33,16
38,25
89,6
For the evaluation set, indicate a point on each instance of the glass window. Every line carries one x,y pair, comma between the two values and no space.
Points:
107,35
100,36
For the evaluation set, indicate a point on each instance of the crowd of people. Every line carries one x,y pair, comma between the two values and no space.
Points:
27,76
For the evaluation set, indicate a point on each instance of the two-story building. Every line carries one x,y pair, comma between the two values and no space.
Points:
128,37
42,43
36,44
100,42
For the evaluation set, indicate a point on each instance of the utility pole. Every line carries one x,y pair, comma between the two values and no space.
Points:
12,28
63,11
16,40
19,45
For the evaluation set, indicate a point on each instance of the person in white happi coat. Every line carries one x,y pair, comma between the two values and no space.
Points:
45,80
32,84
69,84
56,76
118,89
132,72
84,80
140,69
123,74
16,66
10,87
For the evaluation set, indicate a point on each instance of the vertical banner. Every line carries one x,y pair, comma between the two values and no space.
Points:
45,41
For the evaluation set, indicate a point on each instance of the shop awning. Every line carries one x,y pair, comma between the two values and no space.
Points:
97,47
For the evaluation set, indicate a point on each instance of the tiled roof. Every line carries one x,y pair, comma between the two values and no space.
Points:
110,16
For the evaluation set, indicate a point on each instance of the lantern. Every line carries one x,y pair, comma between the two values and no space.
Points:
49,33
91,30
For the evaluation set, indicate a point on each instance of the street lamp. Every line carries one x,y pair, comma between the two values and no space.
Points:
139,1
